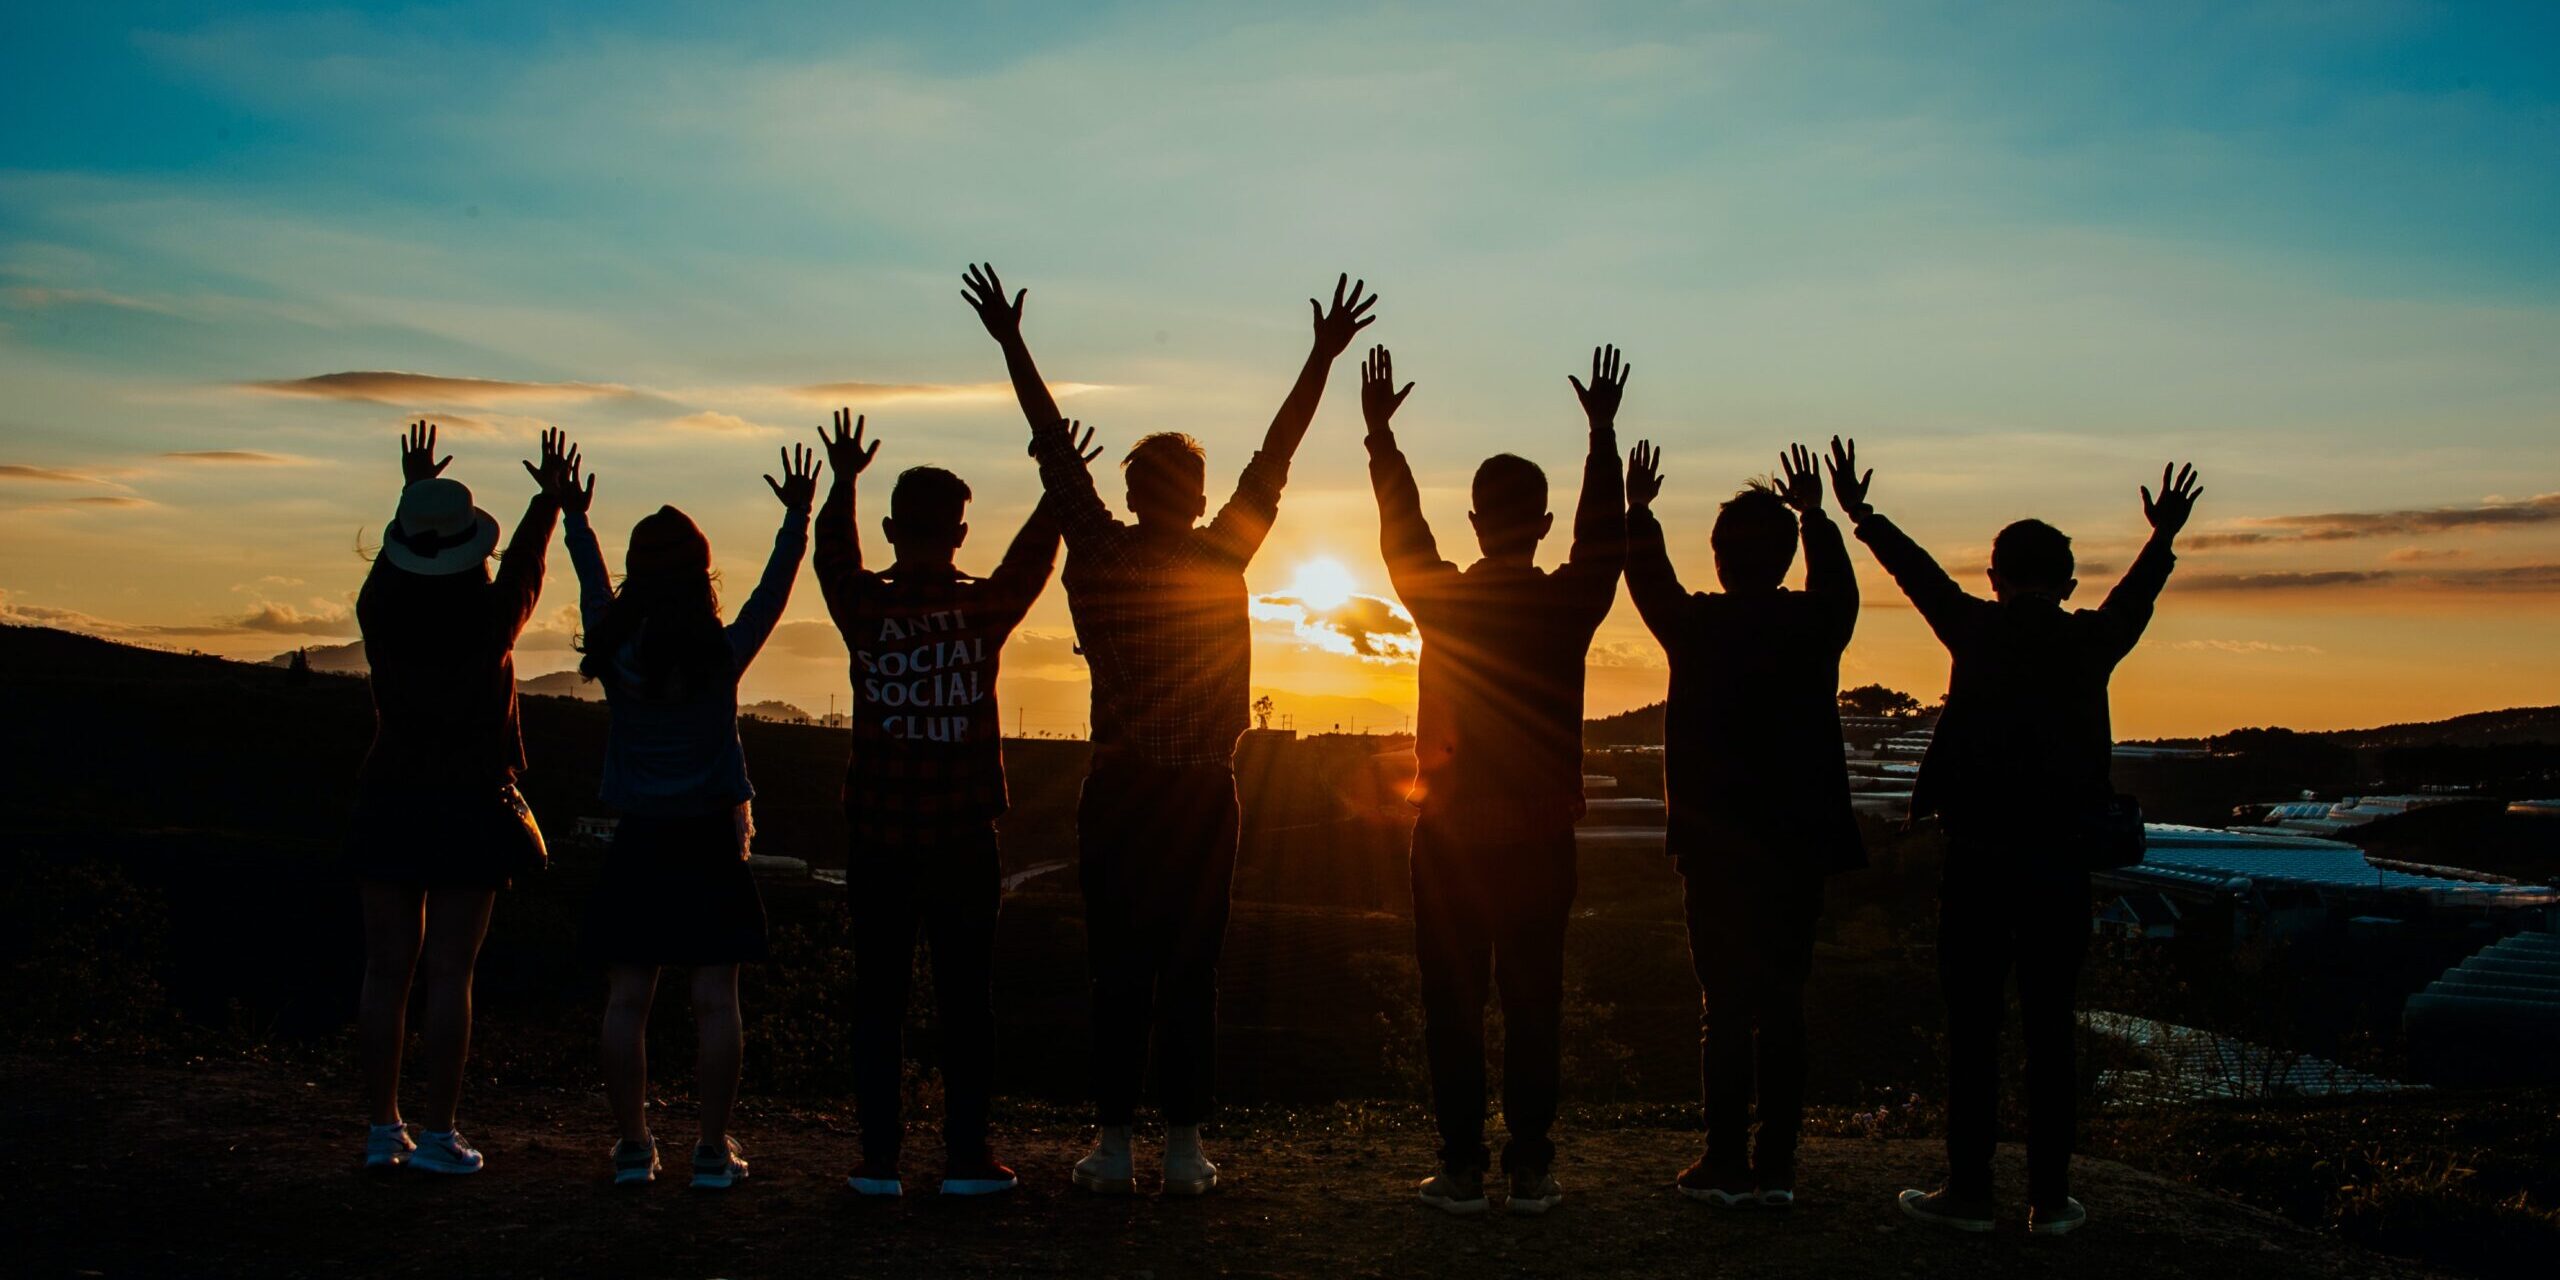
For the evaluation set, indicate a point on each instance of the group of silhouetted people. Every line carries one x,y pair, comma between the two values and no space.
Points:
1756,782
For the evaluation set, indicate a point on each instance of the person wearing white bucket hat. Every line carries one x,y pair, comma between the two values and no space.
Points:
439,825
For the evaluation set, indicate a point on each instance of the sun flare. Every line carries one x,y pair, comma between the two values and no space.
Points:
1323,584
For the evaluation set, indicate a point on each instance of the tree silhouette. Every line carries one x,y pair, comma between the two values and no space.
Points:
1877,700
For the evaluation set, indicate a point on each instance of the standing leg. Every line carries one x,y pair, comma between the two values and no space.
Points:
1718,912
722,1041
1453,949
1787,959
1528,969
394,922
2053,943
884,945
629,990
1973,967
960,924
1200,871
457,922
1123,966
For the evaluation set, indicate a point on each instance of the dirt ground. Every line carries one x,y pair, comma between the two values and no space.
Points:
242,1170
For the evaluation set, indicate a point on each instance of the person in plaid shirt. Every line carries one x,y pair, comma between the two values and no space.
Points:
923,790
1160,609
1498,742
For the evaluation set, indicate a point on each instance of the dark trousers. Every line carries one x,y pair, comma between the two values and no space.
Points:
2001,910
1157,857
950,893
1493,901
1751,942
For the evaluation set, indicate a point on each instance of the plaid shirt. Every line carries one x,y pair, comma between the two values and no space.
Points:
928,752
1162,615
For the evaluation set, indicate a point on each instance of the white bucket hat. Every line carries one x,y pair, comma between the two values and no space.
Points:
438,531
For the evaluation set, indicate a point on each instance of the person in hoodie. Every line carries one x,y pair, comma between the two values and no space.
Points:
1757,788
922,792
675,890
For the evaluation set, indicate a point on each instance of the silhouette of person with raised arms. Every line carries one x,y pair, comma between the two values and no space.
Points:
1498,743
1160,610
439,825
1758,794
922,791
675,889
2017,772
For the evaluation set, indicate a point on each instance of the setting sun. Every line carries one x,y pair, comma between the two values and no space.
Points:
1322,584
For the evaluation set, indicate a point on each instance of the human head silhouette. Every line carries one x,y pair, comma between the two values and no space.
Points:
2031,560
1510,506
928,516
668,603
1168,479
1754,539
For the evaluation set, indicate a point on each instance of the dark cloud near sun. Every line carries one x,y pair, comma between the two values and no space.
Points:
1364,626
2340,526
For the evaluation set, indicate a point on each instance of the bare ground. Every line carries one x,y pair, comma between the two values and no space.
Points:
244,1170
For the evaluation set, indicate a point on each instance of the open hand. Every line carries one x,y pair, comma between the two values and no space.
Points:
2168,513
798,486
1644,476
558,472
1378,395
985,294
1608,386
1846,484
1349,315
1082,438
846,450
418,459
1800,478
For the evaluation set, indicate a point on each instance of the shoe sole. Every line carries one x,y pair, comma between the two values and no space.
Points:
634,1177
448,1170
978,1186
1462,1208
2057,1228
1970,1226
1720,1198
1777,1199
1200,1188
885,1188
717,1181
1103,1186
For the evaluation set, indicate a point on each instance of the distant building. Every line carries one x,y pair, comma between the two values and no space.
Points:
594,832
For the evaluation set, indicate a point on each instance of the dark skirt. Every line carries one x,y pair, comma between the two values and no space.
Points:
439,838
675,892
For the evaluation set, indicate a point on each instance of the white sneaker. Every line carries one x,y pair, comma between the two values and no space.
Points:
1107,1170
719,1168
1534,1193
447,1152
635,1163
1458,1191
1189,1174
387,1146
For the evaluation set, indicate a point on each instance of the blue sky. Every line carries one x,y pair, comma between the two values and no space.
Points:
2024,252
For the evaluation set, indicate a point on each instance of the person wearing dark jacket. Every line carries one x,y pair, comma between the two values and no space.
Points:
439,825
2017,774
1498,749
922,792
1758,794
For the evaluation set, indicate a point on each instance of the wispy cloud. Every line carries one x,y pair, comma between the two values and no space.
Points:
394,387
247,457
18,613
722,423
870,393
1364,626
285,619
2339,526
111,500
34,297
46,475
2244,646
2516,578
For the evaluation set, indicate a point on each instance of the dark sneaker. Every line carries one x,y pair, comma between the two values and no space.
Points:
2057,1222
635,1163
977,1176
1777,1197
876,1178
1943,1208
1728,1189
1458,1191
718,1168
1534,1191
1777,1183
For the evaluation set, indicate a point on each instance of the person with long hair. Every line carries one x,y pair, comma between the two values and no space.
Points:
675,888
439,825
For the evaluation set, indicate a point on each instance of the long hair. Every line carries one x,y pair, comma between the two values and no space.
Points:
445,614
669,605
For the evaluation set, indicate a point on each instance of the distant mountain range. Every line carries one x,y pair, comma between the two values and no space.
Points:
348,659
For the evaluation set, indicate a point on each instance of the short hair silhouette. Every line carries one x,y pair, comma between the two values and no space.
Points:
2033,555
1167,473
929,501
1510,496
1754,538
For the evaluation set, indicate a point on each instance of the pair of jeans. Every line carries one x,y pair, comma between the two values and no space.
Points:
950,892
1157,860
2005,907
1492,900
1751,923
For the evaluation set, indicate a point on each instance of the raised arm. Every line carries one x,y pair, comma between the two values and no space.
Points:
838,555
984,292
1660,599
1028,561
518,581
1247,517
2129,606
1404,536
1828,577
1930,590
1600,517
763,610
